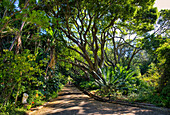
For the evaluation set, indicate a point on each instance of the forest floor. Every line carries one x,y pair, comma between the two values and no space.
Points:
71,101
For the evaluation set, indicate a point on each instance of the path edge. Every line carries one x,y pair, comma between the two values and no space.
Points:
134,104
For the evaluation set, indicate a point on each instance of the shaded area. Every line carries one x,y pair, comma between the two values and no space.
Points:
69,94
72,102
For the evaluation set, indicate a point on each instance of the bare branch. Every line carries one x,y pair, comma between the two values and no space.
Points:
107,60
17,37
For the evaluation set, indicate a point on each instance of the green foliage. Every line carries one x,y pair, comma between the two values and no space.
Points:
157,75
164,65
35,98
88,85
53,85
79,32
39,18
10,109
147,89
148,96
22,74
164,22
151,42
163,51
114,79
17,72
152,76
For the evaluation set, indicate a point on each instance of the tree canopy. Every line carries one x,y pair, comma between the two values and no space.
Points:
120,45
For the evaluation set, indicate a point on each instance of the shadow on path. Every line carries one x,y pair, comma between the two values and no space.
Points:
71,101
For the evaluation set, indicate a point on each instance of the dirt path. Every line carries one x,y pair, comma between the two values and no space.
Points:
71,101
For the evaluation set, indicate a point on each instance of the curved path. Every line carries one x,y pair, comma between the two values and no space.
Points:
71,101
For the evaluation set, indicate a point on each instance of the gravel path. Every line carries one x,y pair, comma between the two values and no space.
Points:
71,101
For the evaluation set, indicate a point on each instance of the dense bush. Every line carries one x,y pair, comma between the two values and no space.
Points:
152,76
115,79
19,74
22,73
88,85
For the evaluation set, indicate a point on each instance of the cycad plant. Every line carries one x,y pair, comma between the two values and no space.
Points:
113,79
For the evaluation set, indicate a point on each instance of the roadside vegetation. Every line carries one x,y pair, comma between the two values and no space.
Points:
118,50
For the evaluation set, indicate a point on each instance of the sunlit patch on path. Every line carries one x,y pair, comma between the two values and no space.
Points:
71,101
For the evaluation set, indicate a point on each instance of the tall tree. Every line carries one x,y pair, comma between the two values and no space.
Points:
90,24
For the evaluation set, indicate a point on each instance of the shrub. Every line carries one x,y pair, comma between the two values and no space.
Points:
18,74
114,79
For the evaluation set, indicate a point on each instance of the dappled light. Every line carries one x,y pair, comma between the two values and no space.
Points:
84,57
72,101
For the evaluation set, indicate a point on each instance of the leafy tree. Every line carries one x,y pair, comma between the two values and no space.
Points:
156,44
163,24
16,71
23,26
15,17
161,33
163,56
91,24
